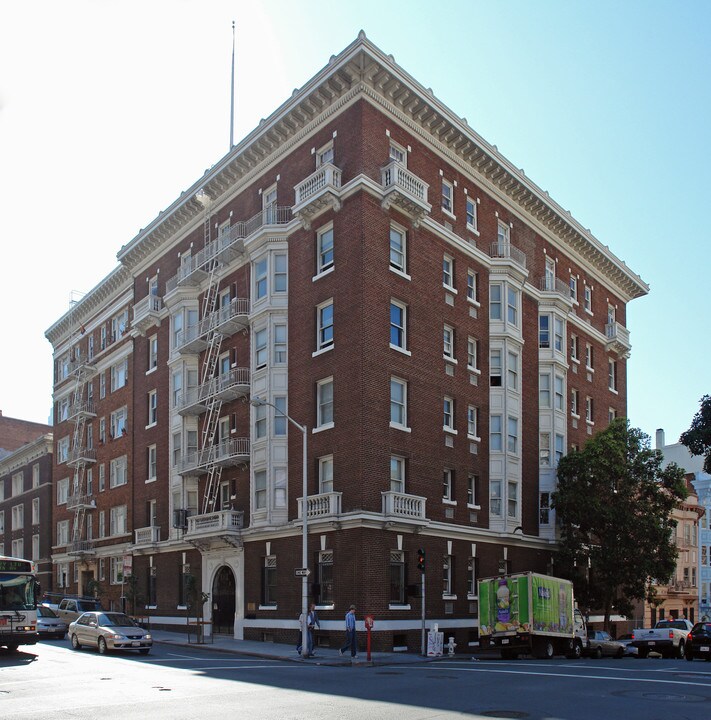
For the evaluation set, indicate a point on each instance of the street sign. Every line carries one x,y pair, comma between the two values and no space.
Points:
302,572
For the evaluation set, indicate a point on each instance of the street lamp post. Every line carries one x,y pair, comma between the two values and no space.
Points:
260,402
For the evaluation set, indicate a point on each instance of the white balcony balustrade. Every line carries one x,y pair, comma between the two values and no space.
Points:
147,313
323,505
405,191
147,535
318,192
401,505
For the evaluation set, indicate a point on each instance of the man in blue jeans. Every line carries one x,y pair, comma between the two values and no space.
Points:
350,633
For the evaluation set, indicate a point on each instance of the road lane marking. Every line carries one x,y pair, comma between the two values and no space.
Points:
572,676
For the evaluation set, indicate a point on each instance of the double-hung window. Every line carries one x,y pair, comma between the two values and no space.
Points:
512,435
472,287
324,403
279,272
588,299
260,348
472,354
448,414
447,484
558,384
495,367
512,371
495,307
118,422
612,375
398,325
473,422
260,279
512,306
279,344
447,197
495,498
324,319
544,332
152,407
448,272
118,474
398,249
325,474
471,214
397,474
324,241
398,402
448,342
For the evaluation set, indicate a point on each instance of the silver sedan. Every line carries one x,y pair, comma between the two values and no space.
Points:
109,631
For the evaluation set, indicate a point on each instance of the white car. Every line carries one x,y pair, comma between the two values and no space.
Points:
109,631
49,623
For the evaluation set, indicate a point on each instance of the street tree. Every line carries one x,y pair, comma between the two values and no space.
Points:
698,437
614,503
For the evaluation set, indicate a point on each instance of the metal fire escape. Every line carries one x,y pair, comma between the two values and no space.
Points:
80,410
208,448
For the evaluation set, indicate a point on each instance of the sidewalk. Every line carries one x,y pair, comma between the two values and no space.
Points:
280,651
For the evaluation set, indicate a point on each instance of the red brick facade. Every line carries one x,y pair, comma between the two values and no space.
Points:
364,527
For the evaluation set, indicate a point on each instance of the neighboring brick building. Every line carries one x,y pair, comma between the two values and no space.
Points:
26,502
366,262
14,433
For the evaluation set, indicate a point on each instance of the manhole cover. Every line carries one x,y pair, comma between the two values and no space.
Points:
504,714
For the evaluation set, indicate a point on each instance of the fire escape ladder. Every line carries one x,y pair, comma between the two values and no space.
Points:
208,449
77,455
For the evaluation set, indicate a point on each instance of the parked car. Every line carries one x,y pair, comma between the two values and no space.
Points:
667,637
698,642
71,608
109,631
601,643
49,624
630,649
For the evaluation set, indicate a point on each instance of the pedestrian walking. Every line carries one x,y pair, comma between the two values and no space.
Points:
312,623
350,633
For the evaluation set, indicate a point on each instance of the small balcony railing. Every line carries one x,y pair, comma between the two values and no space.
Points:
82,367
81,456
321,506
228,453
80,500
318,192
404,190
232,318
193,401
146,312
507,251
230,385
84,409
618,339
147,535
214,522
554,285
81,547
401,505
193,339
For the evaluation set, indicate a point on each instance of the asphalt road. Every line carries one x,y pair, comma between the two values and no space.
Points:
51,680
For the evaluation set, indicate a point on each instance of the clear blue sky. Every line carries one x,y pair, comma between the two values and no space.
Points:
108,110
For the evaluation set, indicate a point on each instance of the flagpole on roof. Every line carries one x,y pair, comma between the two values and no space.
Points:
232,92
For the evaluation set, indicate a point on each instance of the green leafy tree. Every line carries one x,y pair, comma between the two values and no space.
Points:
698,437
614,504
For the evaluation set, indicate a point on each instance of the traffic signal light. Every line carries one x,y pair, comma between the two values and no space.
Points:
421,559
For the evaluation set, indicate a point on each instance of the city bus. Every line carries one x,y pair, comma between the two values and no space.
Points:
19,592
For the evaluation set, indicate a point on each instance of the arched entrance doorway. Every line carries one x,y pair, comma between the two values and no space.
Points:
223,601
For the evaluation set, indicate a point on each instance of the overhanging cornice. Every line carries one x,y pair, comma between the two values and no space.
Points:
363,70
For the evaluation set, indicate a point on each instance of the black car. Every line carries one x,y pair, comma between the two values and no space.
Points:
698,642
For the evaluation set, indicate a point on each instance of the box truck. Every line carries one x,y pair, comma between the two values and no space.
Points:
530,614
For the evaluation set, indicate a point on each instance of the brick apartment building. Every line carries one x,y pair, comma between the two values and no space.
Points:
26,499
368,264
